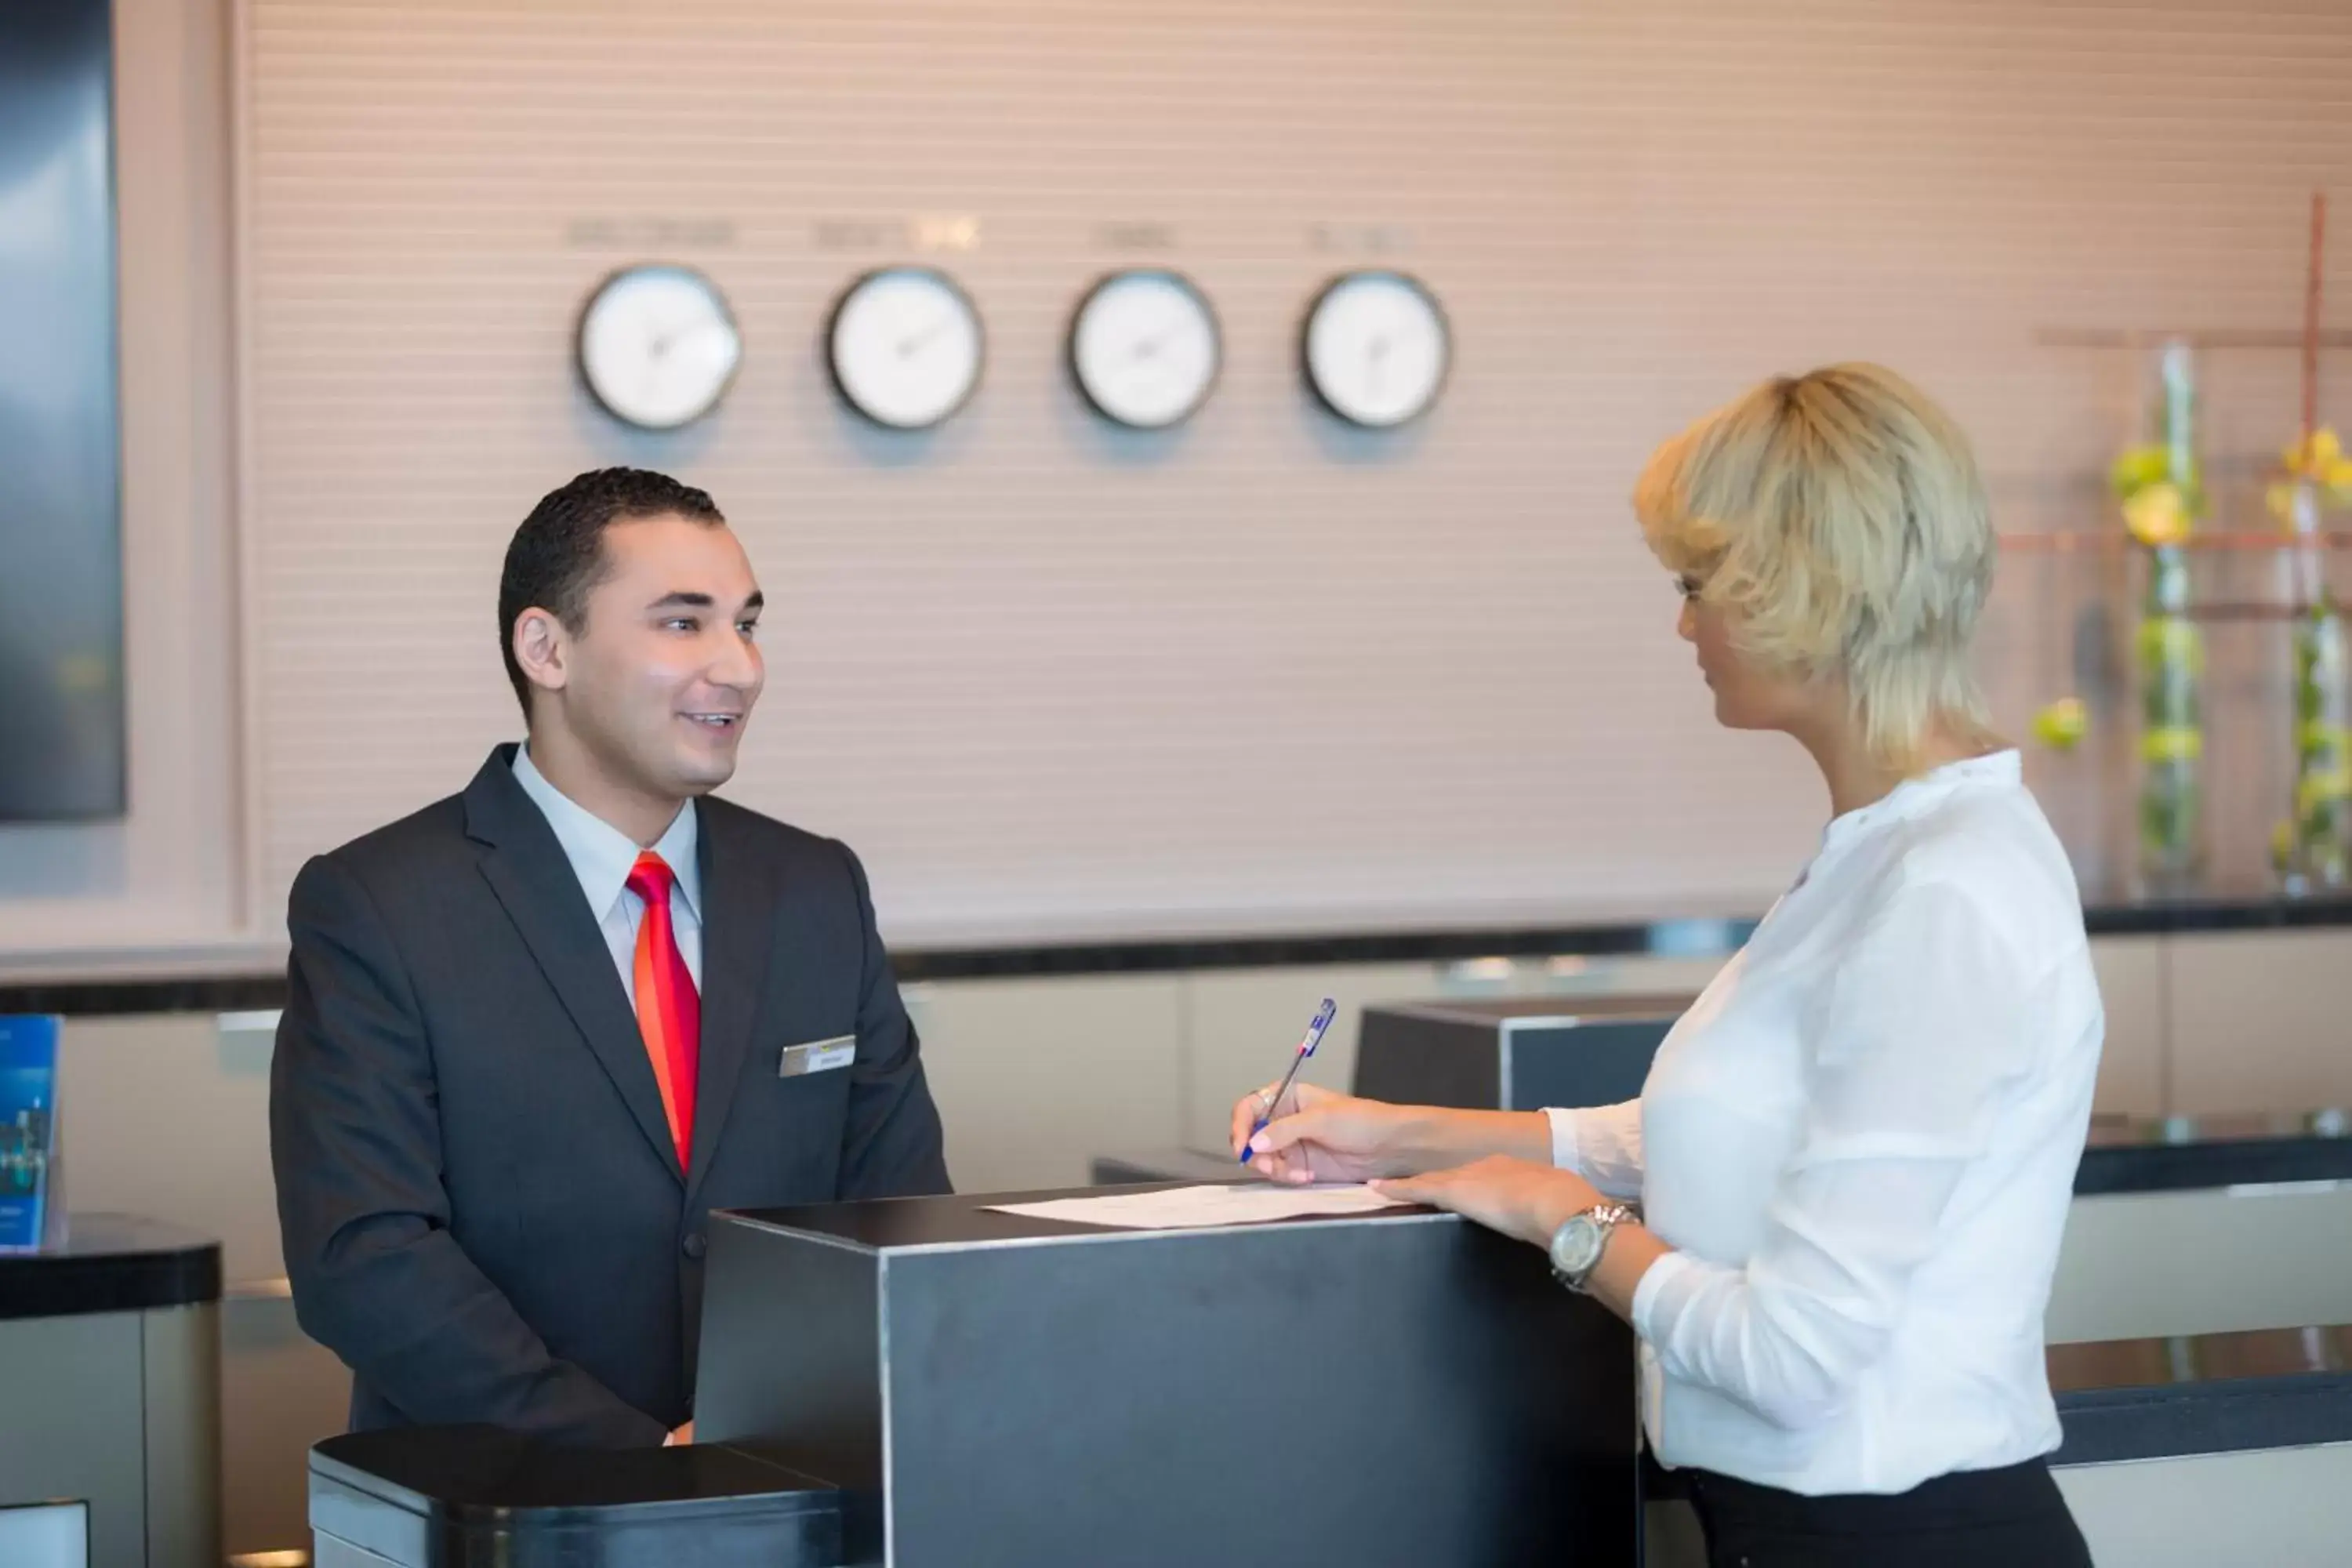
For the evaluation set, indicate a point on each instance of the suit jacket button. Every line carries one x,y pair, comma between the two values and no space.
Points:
696,1245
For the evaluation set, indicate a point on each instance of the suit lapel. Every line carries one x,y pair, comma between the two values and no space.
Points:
739,890
526,869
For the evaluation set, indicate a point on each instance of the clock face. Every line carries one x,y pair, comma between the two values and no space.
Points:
1144,347
1377,348
905,347
658,346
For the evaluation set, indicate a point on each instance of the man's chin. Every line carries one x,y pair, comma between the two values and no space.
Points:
699,774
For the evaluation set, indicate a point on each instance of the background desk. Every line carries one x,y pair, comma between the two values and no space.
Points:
109,1387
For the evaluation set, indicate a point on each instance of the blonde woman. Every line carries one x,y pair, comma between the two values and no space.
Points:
1853,1154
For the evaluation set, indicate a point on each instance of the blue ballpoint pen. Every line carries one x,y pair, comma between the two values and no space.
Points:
1315,1031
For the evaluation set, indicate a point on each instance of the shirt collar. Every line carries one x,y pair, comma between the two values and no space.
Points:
600,854
1914,795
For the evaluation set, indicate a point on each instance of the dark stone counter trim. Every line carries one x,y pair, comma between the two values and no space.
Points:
2105,1425
156,1268
2220,1162
1696,936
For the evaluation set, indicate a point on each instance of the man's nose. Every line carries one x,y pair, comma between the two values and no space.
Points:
737,664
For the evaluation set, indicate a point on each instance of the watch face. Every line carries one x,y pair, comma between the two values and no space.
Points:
658,346
905,347
1377,348
1576,1246
1144,347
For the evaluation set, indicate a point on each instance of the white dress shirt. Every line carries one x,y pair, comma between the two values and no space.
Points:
601,856
1862,1140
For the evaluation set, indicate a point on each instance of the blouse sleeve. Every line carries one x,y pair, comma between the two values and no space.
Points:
1926,1036
1603,1143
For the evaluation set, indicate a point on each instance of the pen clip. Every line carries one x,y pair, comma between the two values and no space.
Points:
1316,1030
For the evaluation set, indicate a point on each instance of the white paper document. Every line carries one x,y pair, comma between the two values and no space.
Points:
1192,1208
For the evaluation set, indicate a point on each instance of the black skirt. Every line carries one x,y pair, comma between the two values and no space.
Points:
2009,1518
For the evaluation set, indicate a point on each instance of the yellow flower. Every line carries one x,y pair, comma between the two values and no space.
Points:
2316,790
2062,725
2138,469
2316,458
2280,499
2157,515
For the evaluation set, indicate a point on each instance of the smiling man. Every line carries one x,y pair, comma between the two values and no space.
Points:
538,1030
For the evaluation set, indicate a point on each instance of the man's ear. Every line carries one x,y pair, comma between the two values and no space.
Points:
541,647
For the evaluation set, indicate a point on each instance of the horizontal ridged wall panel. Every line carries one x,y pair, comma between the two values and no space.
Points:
1264,673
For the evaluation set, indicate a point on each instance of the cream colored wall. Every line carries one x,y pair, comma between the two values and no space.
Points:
2270,1016
429,196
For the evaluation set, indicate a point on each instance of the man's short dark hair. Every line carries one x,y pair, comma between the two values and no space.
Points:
557,556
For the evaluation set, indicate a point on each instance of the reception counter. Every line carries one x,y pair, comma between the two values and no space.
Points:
930,1382
1394,1388
109,1387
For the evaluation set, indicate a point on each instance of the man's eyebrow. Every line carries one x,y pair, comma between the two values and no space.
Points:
690,599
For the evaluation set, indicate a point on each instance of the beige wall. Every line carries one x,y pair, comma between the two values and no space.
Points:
1051,681
1261,673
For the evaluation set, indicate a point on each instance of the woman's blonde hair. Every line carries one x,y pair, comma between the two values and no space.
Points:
1840,517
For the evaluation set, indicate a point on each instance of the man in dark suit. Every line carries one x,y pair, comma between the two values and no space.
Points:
539,1029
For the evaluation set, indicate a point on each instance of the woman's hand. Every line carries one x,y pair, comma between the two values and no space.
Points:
1316,1135
1519,1198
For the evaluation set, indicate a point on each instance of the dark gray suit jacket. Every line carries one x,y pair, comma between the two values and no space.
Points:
482,1209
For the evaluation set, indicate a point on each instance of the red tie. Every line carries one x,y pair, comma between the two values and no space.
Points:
670,1011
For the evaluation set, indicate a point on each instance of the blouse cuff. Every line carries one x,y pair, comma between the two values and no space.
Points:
1563,1137
1666,1284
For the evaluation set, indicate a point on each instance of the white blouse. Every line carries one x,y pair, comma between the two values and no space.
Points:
1862,1140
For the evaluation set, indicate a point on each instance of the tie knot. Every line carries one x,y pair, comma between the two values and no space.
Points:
650,878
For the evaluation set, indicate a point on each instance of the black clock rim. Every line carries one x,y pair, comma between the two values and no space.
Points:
580,342
1445,341
1216,343
828,349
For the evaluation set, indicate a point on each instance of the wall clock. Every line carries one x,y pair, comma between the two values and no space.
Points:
905,347
1376,348
658,346
1144,347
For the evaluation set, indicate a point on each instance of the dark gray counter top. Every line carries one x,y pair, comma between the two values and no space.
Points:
2124,1155
2116,913
2128,1154
111,1263
2202,1393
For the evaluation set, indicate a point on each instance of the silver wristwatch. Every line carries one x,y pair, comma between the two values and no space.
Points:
1577,1246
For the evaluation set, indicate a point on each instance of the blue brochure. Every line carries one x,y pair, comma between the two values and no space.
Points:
28,1127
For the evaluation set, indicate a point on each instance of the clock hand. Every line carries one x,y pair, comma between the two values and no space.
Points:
908,346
